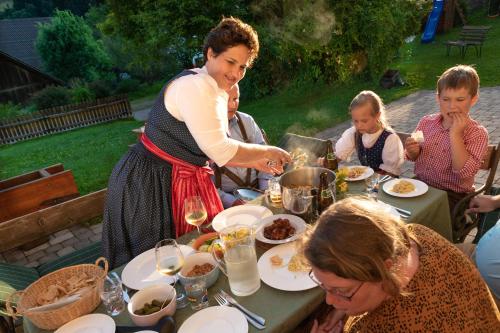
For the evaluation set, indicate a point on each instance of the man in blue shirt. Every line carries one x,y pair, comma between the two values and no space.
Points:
242,127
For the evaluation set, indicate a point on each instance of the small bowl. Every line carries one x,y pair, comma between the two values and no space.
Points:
147,295
199,258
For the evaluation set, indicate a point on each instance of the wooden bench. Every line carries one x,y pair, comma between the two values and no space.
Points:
36,190
469,36
30,227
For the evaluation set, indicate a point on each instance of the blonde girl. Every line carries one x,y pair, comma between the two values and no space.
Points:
375,142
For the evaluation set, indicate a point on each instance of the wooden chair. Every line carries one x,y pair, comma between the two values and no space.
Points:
460,226
469,36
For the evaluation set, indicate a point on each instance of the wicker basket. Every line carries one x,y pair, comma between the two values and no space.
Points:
53,319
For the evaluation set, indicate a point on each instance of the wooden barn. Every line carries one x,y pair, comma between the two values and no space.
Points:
20,65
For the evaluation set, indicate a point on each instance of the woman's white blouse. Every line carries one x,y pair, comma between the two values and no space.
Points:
202,105
392,153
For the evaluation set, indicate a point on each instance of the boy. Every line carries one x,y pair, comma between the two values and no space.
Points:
454,144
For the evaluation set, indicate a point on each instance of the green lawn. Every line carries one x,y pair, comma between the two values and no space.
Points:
92,152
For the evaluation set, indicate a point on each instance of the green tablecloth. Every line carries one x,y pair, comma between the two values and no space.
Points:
284,310
430,209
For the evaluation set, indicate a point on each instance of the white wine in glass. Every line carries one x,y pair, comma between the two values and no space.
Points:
195,212
169,261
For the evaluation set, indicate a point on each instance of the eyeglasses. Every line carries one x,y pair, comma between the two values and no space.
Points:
334,291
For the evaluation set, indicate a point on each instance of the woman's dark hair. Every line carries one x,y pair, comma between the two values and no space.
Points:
232,32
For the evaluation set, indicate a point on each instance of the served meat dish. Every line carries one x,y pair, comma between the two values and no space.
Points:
199,270
279,230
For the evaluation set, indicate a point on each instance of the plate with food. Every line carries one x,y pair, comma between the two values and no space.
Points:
244,214
405,187
141,271
284,268
358,172
280,228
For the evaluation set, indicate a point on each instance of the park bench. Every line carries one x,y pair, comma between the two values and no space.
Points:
469,36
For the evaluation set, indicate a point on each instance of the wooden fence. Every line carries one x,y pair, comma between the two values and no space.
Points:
64,118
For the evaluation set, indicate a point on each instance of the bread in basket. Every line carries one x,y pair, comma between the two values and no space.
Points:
52,319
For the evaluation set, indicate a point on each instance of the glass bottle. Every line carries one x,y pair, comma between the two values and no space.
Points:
330,161
325,195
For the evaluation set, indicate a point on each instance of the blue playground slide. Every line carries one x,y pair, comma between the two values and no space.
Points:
432,22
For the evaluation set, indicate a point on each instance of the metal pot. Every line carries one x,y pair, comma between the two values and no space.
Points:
296,184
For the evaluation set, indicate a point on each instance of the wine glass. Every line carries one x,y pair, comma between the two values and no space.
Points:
195,211
169,261
372,185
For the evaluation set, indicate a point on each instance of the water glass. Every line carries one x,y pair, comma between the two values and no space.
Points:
197,294
372,185
111,293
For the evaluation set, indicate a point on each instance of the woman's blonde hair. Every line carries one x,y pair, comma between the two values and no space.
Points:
377,106
354,238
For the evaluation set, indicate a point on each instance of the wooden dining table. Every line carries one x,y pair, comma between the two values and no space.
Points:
284,310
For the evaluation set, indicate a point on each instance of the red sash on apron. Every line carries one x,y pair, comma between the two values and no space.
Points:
187,180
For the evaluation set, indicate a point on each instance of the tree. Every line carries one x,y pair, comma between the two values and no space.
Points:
154,31
69,50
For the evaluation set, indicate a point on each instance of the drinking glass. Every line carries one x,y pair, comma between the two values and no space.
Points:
372,185
111,293
169,261
274,189
195,211
197,294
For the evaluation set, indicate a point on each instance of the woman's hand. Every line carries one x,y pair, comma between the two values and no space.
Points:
333,323
483,204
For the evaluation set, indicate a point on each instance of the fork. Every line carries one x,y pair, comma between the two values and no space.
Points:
224,302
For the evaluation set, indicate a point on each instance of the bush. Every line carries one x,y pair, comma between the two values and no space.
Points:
10,110
81,93
51,96
100,88
127,86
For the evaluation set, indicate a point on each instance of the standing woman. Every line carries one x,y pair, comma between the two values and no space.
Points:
187,127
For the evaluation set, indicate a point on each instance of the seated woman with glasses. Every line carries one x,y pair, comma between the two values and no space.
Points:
381,275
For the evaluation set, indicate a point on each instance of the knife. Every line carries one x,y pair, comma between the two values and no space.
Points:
254,316
402,211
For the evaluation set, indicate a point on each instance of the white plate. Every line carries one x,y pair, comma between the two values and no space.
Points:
280,277
368,172
215,319
146,332
420,188
91,323
141,271
298,223
244,214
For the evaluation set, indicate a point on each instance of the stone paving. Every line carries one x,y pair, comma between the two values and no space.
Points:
403,115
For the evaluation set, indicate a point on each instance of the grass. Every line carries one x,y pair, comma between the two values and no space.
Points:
92,152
